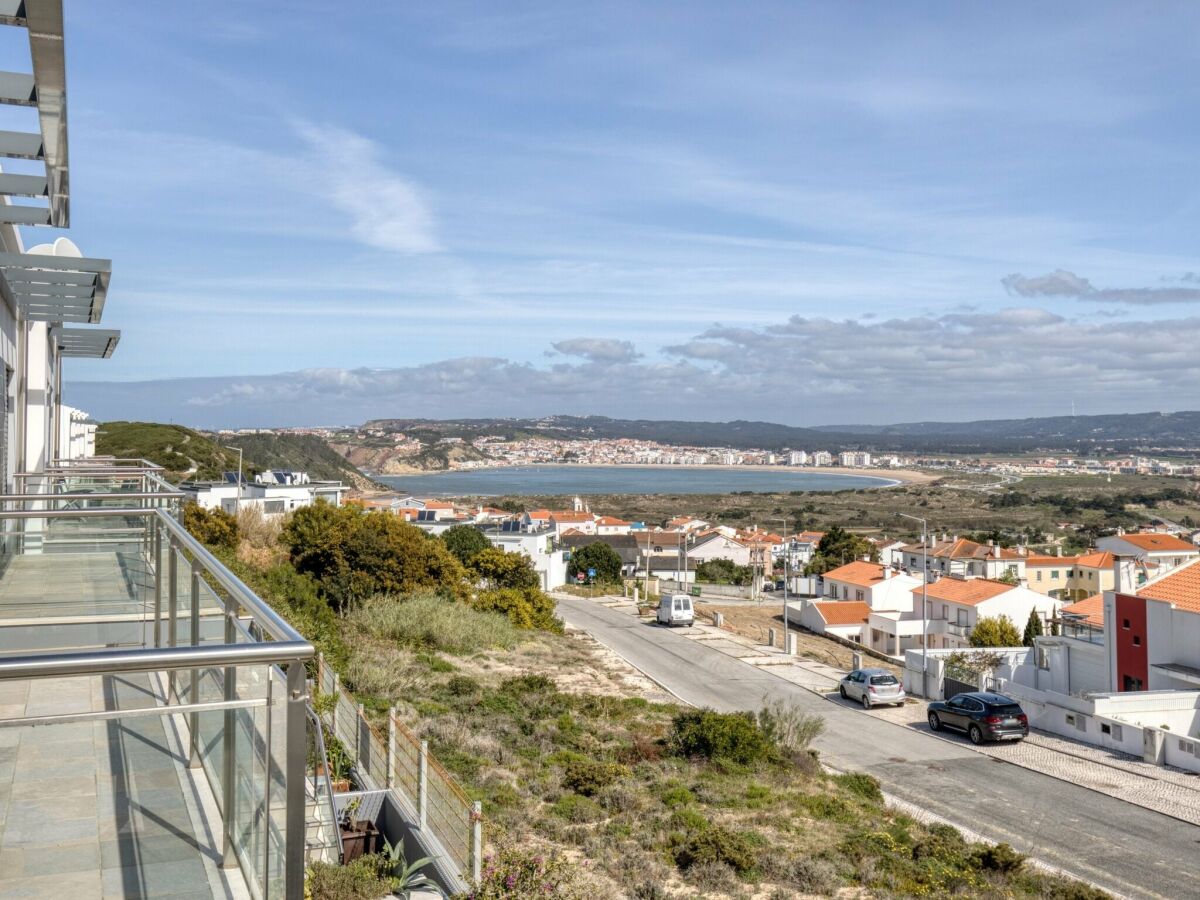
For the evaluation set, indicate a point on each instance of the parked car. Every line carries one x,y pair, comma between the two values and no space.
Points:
768,586
982,715
676,609
871,687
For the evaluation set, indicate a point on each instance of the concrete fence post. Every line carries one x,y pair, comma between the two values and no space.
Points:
791,645
476,840
856,658
423,785
359,726
718,619
391,753
333,715
771,637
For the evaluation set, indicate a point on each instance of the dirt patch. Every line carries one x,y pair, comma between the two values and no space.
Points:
753,621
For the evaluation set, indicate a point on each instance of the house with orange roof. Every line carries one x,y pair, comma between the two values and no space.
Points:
952,555
1165,550
612,525
570,520
1153,631
843,618
887,592
686,523
955,605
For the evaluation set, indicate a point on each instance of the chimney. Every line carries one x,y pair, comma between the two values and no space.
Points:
1124,574
996,550
887,572
1120,531
1059,549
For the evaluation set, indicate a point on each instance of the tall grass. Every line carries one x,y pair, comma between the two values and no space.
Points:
427,621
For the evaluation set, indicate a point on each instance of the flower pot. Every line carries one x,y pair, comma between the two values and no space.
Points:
359,839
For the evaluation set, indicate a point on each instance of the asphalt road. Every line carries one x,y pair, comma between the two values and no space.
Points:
1123,848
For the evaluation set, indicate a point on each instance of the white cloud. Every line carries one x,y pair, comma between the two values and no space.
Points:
386,210
1061,283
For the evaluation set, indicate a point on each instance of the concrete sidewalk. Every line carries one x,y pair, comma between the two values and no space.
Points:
1171,792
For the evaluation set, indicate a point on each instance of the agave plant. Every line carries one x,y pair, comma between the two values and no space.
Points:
405,875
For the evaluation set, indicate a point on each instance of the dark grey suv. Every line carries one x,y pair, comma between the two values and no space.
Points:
984,716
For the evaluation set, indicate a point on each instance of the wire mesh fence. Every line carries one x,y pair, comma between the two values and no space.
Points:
401,761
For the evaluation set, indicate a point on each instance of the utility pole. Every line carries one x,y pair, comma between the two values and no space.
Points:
924,603
238,502
787,575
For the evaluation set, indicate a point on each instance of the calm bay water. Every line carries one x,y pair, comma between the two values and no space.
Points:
567,479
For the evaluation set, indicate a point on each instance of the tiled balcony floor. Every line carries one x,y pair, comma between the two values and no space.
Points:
105,808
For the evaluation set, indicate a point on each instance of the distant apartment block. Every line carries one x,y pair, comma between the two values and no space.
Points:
273,493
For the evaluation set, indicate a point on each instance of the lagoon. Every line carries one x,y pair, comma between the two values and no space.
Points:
571,479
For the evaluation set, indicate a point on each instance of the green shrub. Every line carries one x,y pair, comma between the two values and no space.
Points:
862,785
588,777
527,608
729,736
575,808
827,806
805,874
465,542
514,873
677,795
716,844
426,621
788,727
362,879
213,527
462,686
1000,858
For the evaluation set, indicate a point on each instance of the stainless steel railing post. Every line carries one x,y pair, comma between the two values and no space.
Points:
229,749
156,550
194,758
297,723
173,604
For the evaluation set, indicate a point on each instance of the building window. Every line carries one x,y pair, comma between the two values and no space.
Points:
1137,640
1043,658
1125,624
1054,573
273,506
858,595
1129,683
1039,575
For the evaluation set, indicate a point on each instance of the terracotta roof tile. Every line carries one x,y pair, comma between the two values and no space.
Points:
843,612
1091,608
861,573
965,591
1158,543
1096,559
1180,588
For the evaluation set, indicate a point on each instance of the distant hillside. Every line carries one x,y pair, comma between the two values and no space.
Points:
184,453
1158,429
1077,433
189,454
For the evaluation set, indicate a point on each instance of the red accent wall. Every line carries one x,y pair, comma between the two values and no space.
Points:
1132,660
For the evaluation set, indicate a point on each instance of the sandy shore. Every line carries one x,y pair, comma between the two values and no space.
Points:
903,476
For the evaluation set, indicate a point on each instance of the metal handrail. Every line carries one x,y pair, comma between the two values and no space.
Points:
276,627
320,733
157,659
94,495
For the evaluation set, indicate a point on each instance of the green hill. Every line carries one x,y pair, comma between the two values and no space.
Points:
189,454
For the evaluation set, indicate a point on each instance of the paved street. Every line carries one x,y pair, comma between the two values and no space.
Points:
1125,848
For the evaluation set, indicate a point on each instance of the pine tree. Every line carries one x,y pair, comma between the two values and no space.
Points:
1033,628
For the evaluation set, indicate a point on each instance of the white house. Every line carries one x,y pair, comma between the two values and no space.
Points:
612,525
77,434
879,586
959,556
1165,551
718,546
272,493
955,604
844,618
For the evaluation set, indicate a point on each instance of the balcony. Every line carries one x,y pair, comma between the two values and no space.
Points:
154,721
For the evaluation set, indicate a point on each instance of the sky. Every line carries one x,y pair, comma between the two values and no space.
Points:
810,213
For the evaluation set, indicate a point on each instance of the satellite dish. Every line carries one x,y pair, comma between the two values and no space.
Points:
61,247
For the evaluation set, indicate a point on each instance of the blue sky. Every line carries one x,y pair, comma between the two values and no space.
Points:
808,213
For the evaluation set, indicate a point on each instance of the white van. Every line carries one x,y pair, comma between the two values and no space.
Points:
676,609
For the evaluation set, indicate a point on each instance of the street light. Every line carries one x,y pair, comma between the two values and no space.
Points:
238,503
924,602
787,574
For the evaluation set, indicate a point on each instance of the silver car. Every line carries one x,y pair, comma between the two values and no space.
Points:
871,687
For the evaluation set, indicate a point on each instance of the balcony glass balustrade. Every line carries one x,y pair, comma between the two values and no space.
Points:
155,735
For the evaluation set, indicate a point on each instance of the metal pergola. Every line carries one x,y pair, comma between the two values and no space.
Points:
55,288
86,343
45,88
